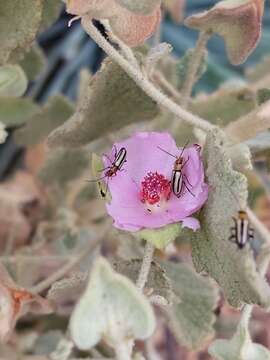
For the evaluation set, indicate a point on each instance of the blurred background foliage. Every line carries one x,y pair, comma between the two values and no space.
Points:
68,50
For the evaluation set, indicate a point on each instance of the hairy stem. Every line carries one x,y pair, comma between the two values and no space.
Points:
160,78
123,350
193,67
246,314
141,80
146,265
45,284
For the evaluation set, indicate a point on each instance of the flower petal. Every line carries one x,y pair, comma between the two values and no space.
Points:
144,155
154,152
191,223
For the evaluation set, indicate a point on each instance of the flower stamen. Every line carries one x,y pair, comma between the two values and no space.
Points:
155,190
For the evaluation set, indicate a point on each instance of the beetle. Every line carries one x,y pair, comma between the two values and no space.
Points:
120,157
178,179
241,232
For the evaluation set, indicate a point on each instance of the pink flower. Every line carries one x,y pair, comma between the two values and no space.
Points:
142,195
131,27
16,302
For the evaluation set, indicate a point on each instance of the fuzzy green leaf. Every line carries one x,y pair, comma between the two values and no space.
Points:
263,95
56,111
13,81
63,165
14,112
33,62
224,105
51,11
191,319
212,252
157,279
19,24
112,308
111,102
260,71
240,347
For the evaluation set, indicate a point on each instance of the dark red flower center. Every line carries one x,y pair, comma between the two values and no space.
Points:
155,188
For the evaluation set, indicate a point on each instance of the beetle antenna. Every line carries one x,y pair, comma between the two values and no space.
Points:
167,152
185,146
97,180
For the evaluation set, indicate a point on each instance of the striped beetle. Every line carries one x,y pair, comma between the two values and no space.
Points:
179,180
120,157
241,232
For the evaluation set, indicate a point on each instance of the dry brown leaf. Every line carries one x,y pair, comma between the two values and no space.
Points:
16,302
21,200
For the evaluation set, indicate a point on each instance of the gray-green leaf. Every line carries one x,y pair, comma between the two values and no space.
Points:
51,11
240,347
63,165
13,81
157,280
224,105
111,102
19,24
56,111
33,62
212,252
191,319
112,308
16,111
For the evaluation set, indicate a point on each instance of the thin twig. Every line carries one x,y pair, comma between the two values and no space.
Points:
43,285
193,67
160,78
151,351
141,79
146,265
123,350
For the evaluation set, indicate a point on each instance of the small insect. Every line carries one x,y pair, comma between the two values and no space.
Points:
120,157
179,180
242,232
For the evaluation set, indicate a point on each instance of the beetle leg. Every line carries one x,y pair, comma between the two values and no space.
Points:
108,158
232,239
191,193
185,177
115,151
107,167
185,162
